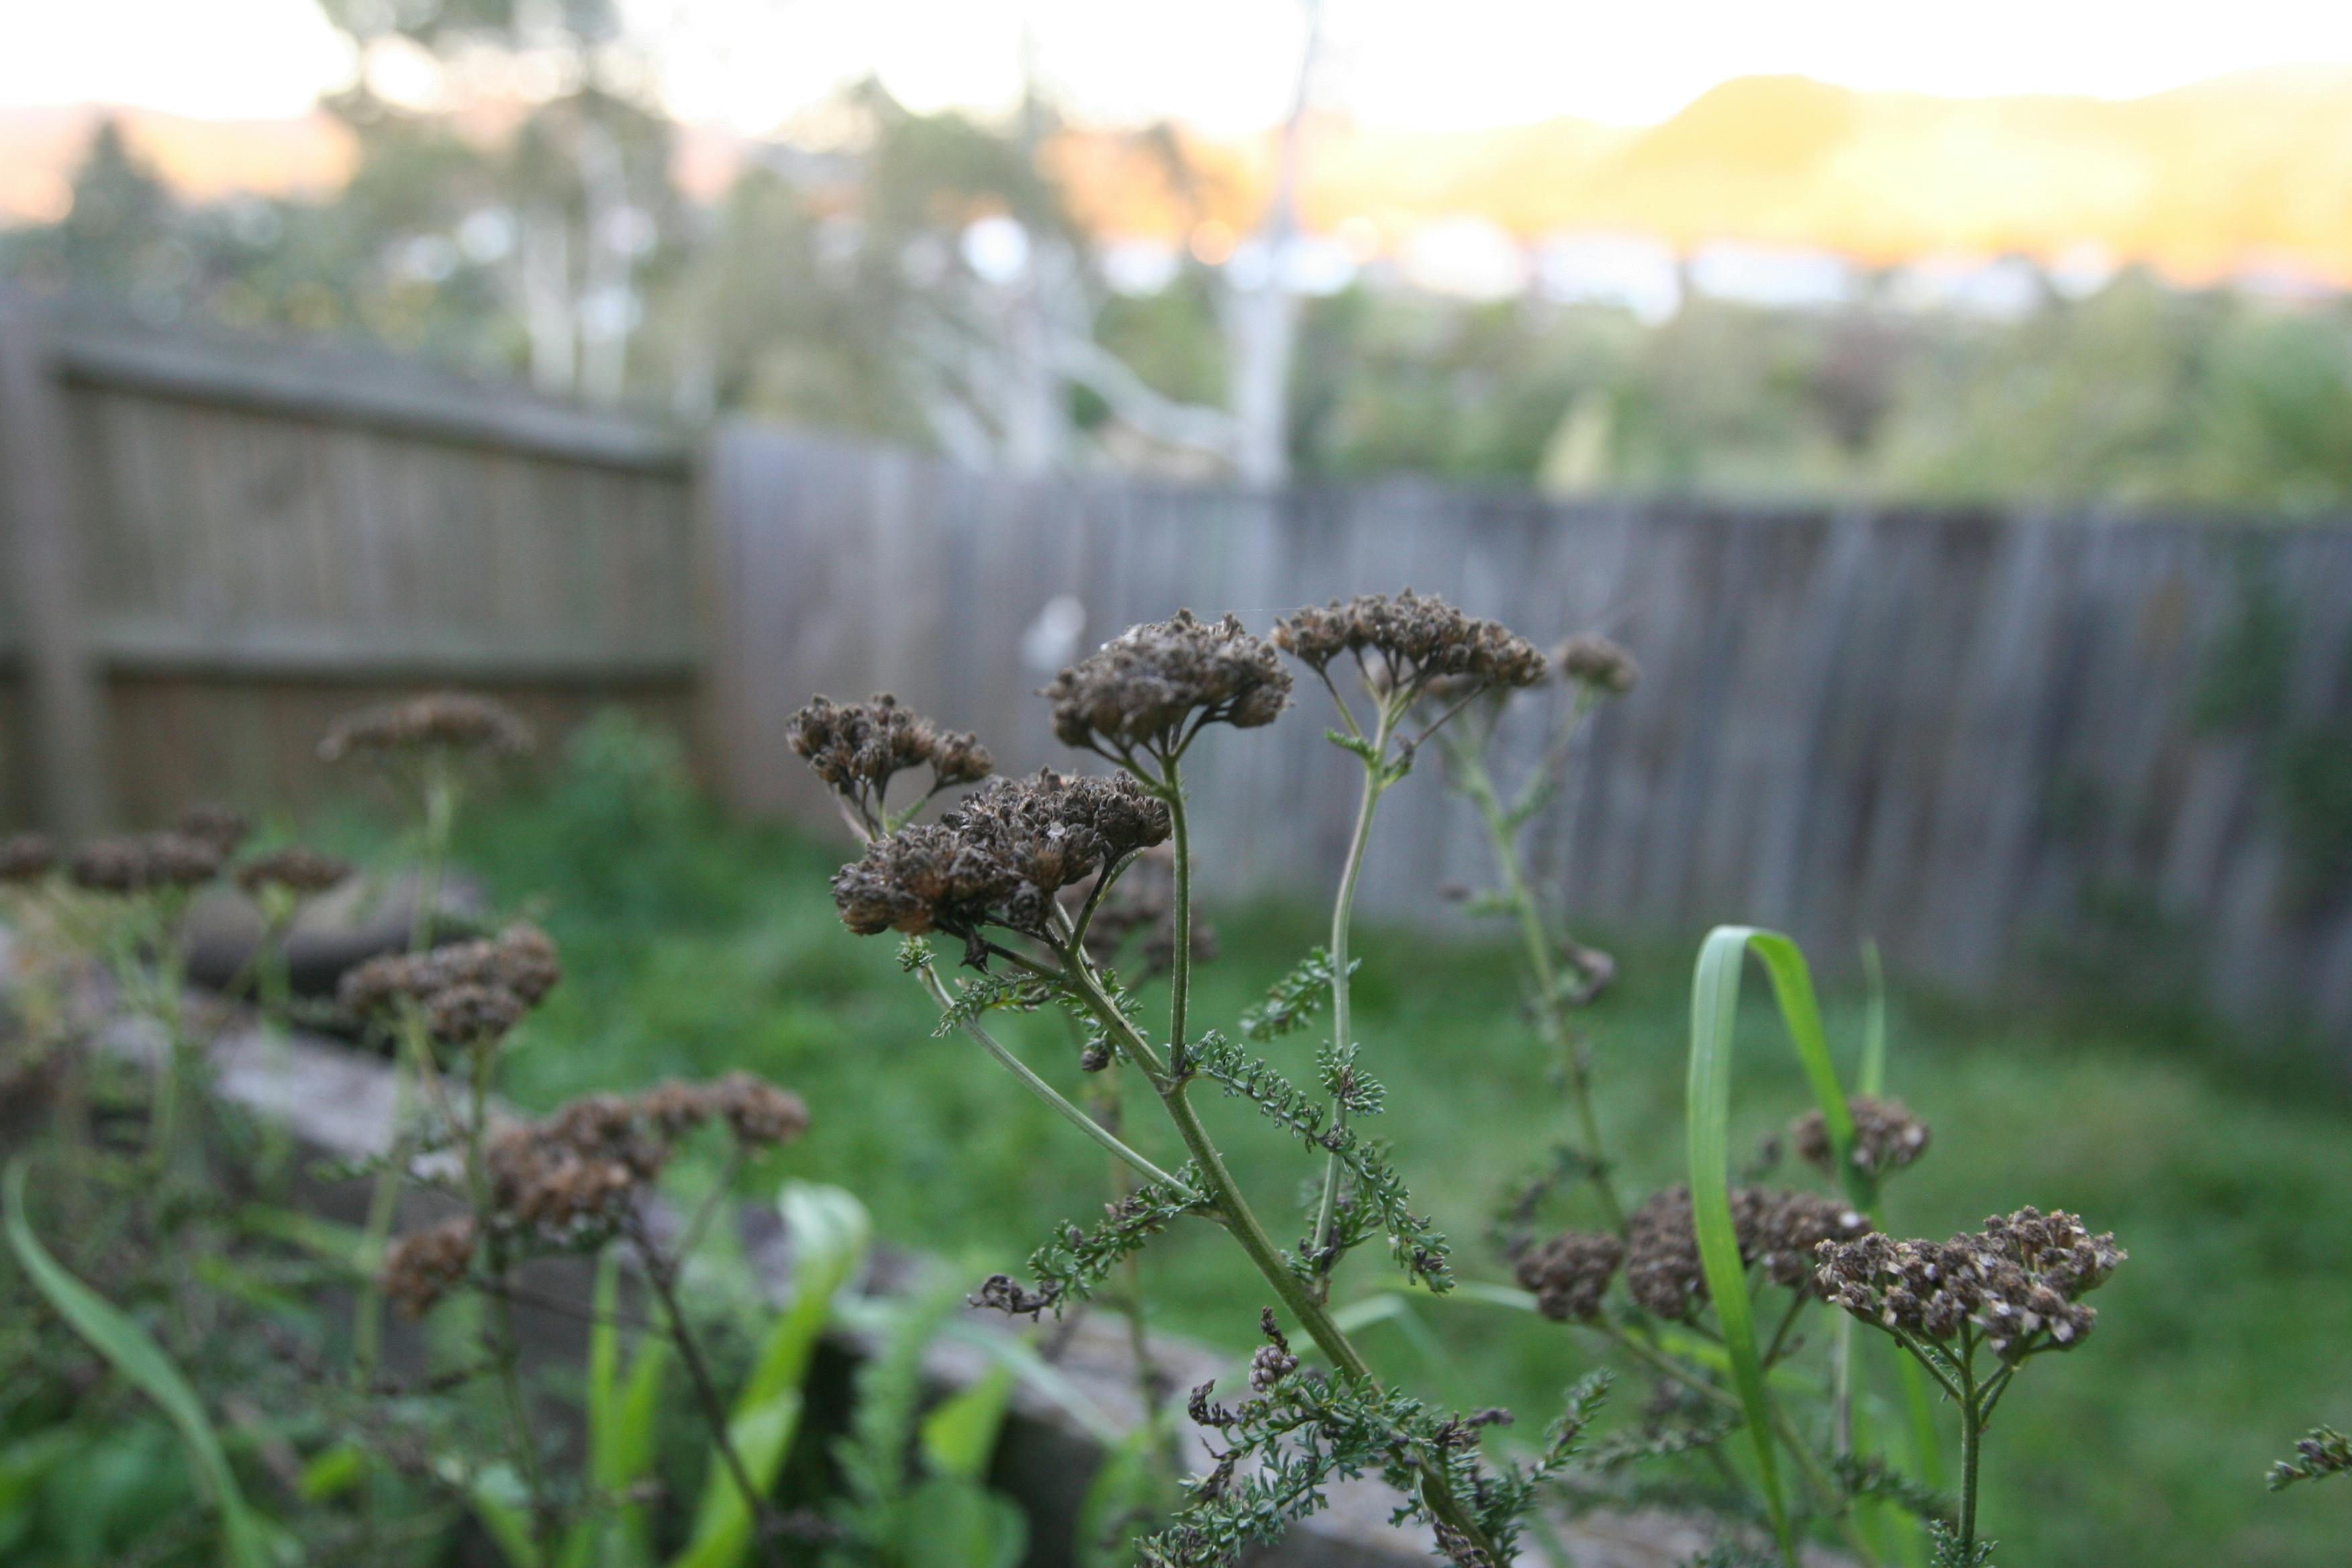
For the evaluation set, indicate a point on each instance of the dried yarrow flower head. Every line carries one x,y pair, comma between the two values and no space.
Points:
222,827
1887,1135
453,720
1568,1274
1596,664
1781,1230
426,1265
575,1172
1274,1360
1153,687
857,748
148,863
521,959
1000,858
756,1111
302,871
2017,1282
1403,642
470,1014
26,857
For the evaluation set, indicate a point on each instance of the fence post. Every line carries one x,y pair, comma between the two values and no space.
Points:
64,690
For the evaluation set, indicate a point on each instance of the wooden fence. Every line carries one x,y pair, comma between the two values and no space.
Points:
215,547
1981,739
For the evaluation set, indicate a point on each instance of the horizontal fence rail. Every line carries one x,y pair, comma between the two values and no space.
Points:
1984,741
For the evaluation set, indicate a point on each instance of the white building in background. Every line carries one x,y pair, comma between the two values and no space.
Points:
1996,289
1776,278
1470,257
1632,272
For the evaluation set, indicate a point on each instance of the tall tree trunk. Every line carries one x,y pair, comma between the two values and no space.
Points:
546,270
1261,321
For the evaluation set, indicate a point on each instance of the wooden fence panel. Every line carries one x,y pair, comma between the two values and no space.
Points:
1973,737
263,537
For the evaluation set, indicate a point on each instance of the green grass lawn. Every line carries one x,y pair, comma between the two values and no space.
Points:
692,949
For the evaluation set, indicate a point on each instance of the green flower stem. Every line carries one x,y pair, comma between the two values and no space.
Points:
505,1347
1180,972
1045,1091
1971,1439
1343,911
383,1200
1470,774
1226,1195
411,1060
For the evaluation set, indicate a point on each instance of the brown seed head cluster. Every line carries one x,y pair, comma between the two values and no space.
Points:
1000,858
304,872
2017,1282
1596,664
857,748
1887,1135
1780,1230
457,721
1154,686
1569,1273
220,826
1407,641
470,1014
475,991
148,863
25,857
426,1265
574,1174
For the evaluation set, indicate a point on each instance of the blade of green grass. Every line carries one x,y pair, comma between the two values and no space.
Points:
1714,1015
830,1233
142,1363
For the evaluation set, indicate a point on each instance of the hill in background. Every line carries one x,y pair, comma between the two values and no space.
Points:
2247,172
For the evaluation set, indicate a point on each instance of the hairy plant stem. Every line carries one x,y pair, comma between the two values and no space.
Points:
1045,1091
505,1347
1973,1414
1343,911
1224,1194
1469,771
412,1061
1160,1452
661,1273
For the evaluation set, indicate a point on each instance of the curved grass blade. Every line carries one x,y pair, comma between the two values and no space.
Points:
134,1354
1715,1013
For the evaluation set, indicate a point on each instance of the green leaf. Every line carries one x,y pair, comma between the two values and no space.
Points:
945,1522
500,1503
1715,1014
722,1525
331,1472
134,1354
1127,1498
959,1437
830,1233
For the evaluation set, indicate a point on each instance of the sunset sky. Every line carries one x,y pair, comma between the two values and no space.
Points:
1225,65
